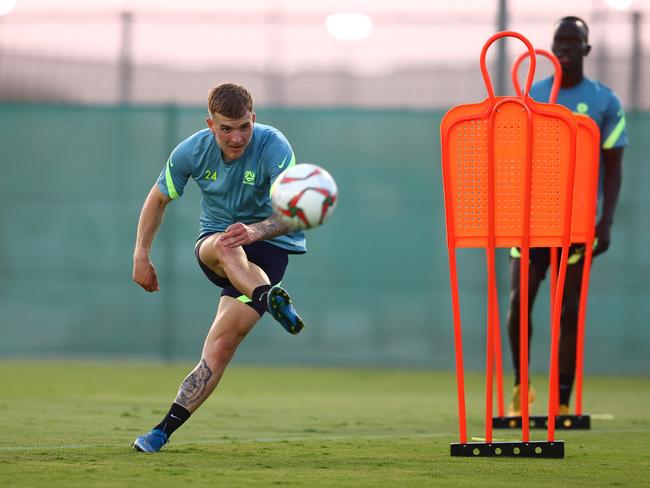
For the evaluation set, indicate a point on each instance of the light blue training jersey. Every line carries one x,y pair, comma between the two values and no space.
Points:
233,191
592,98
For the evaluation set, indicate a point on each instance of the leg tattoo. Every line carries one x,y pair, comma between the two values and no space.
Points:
194,385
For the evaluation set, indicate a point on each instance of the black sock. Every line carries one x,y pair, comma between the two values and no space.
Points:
517,378
176,417
566,385
260,293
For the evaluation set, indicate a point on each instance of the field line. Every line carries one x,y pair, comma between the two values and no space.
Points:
269,439
241,440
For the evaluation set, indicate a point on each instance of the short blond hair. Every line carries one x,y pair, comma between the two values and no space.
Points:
230,100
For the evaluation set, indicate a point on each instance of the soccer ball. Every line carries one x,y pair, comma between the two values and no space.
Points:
304,195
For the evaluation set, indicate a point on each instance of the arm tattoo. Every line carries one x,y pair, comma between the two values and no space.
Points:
271,227
193,386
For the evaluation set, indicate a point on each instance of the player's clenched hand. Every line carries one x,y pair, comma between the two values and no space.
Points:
237,234
144,274
603,236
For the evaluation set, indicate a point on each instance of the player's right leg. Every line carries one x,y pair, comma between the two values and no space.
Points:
233,322
152,441
537,271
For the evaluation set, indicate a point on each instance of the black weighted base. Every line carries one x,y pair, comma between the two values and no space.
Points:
562,422
532,449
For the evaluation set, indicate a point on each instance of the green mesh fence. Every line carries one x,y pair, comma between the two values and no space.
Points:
373,288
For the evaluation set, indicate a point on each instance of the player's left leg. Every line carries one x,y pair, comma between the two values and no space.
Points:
280,306
254,270
234,264
569,332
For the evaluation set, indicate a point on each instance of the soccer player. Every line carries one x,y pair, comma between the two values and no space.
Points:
242,246
585,96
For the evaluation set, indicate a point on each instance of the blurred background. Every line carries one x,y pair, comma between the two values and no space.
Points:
95,95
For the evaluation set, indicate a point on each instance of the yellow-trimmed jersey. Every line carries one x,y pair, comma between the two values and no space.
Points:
233,191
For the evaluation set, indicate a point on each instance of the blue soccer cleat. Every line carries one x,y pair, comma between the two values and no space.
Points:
278,303
152,441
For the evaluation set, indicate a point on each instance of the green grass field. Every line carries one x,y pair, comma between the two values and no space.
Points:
72,424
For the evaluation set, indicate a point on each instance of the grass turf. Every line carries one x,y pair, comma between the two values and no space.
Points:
72,424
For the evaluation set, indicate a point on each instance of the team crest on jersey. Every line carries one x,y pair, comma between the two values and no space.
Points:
249,177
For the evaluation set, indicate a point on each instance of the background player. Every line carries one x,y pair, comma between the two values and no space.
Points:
242,246
585,96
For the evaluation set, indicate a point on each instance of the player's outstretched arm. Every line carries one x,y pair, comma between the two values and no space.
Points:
144,273
239,234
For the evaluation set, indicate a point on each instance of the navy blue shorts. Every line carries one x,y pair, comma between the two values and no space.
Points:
540,257
272,259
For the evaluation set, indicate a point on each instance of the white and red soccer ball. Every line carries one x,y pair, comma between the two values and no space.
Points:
304,195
